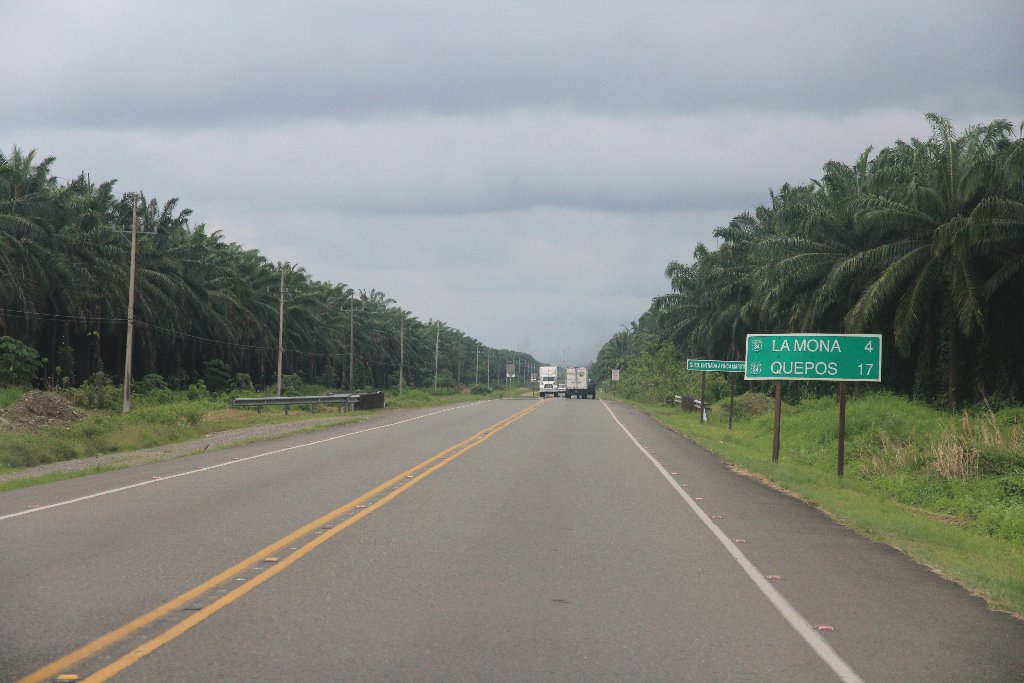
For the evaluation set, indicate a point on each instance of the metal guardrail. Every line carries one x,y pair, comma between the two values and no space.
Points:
681,402
705,408
344,402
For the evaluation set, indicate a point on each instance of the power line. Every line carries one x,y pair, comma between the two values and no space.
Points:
56,317
60,316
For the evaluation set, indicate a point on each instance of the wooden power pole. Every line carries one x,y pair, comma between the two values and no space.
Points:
280,332
126,402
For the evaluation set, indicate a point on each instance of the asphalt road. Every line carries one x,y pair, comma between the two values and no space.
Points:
501,541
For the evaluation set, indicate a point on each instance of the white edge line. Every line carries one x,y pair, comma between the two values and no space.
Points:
788,612
207,468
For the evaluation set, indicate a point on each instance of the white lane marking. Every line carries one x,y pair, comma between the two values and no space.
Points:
207,468
788,612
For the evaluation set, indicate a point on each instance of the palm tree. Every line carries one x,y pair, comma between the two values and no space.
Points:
922,274
26,188
725,281
997,242
374,337
807,279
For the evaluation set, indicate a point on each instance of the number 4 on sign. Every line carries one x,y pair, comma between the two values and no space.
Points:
870,346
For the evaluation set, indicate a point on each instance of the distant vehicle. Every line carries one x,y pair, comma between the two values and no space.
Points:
547,382
578,384
561,390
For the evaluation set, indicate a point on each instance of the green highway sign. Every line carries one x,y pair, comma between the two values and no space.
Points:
714,365
824,357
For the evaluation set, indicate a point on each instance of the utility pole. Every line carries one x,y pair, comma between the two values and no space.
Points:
280,331
488,369
401,357
351,340
126,403
437,347
476,377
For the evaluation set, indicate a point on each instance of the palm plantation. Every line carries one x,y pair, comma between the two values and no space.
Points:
923,243
64,262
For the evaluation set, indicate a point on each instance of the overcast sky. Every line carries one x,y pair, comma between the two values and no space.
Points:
522,170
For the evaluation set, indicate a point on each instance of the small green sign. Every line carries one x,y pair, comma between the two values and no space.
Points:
699,365
823,357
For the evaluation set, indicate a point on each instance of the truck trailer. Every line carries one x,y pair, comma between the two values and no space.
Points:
578,384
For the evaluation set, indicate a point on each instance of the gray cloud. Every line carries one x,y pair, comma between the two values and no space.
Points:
201,63
458,155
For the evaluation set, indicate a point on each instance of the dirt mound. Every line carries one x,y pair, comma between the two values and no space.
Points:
40,409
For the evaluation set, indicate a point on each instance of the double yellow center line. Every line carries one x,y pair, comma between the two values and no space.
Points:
330,525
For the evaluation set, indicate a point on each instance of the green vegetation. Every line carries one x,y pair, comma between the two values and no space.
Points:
204,309
9,395
146,426
656,375
421,398
922,243
948,490
49,478
75,427
19,364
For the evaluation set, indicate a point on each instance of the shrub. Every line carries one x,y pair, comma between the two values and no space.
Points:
19,364
242,382
98,392
752,403
179,381
658,374
1004,521
329,377
150,382
159,396
291,385
65,370
216,375
445,380
197,391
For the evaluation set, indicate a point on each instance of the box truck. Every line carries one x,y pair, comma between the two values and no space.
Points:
578,384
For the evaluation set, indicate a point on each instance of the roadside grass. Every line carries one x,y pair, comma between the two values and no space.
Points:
167,418
9,396
51,477
423,398
146,426
947,490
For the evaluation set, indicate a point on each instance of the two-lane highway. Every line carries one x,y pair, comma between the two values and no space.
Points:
502,541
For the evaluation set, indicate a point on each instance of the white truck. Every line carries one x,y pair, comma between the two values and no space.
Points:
547,381
578,384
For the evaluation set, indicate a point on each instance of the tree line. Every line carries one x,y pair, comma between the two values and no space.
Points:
199,300
921,242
